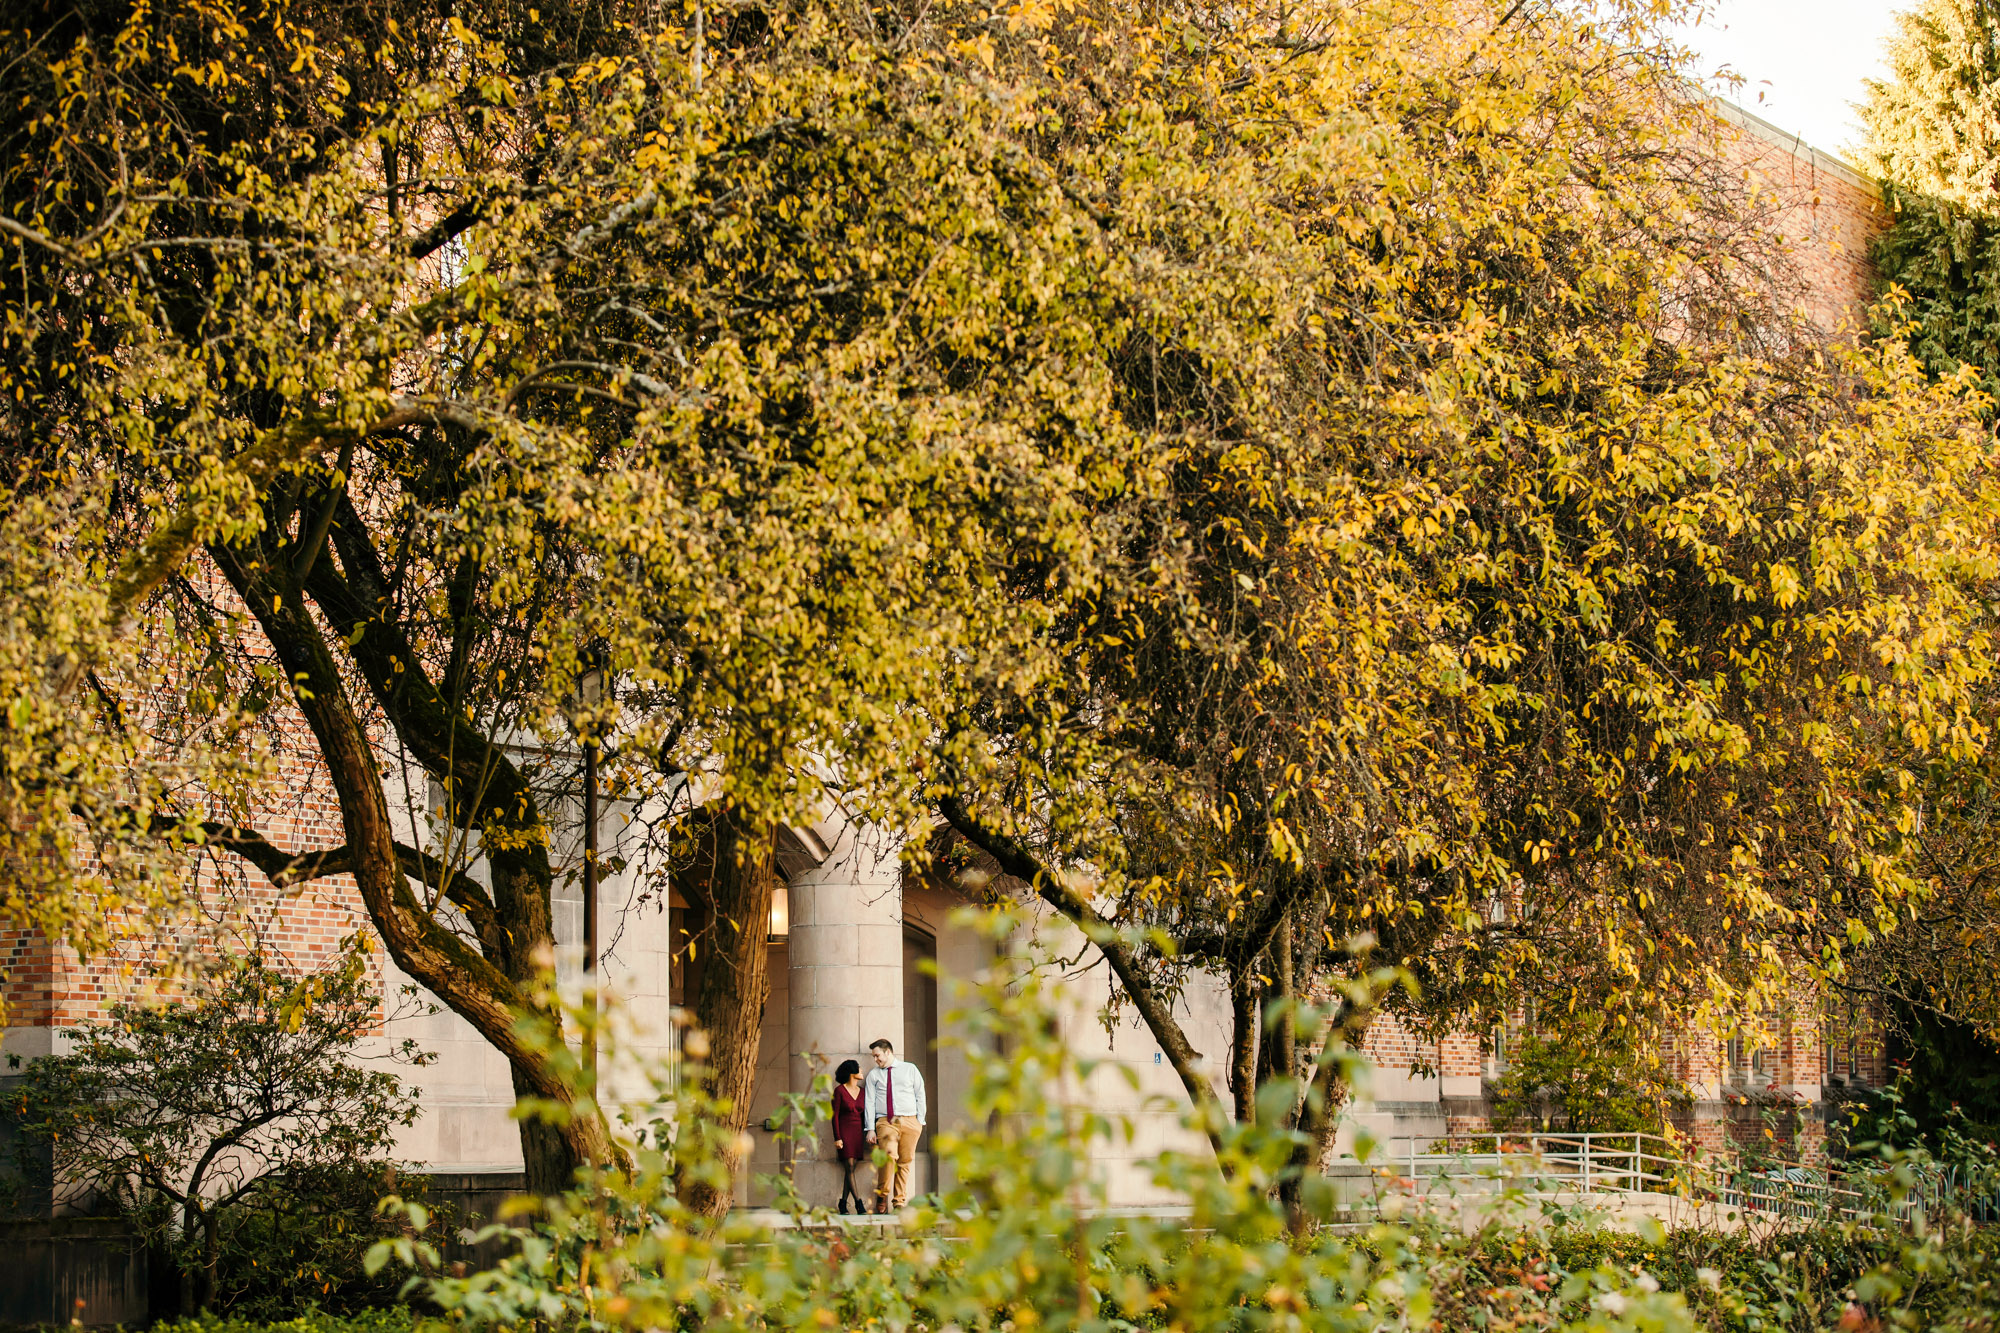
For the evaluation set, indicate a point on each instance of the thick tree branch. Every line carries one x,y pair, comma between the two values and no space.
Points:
462,977
444,231
1054,890
281,867
483,783
313,540
179,533
285,869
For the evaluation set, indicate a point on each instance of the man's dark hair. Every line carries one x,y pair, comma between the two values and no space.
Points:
882,1044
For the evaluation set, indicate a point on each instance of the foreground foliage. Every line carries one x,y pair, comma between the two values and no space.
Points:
1566,1275
391,1319
1019,1240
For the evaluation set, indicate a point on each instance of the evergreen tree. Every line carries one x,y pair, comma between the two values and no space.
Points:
1933,135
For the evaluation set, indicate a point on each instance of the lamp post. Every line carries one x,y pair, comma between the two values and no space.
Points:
590,692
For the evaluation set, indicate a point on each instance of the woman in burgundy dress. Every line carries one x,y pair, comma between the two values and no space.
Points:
850,1137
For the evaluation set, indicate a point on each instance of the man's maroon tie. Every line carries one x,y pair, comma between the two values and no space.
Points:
889,1083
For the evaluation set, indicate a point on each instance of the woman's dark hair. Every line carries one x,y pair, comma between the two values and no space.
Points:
848,1069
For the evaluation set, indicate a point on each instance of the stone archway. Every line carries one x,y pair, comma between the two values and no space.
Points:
920,1037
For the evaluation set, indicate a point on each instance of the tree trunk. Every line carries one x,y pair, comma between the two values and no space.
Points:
551,1154
1243,1042
1282,1062
548,1159
1319,1118
211,1257
1277,1042
490,995
1287,1035
735,981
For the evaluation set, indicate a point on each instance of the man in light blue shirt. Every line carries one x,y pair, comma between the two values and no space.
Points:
893,1102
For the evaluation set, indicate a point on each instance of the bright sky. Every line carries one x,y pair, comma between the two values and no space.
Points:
1803,61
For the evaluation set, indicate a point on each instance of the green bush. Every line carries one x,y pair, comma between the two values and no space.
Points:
1910,1114
302,1237
234,1127
1874,1275
392,1320
1587,1077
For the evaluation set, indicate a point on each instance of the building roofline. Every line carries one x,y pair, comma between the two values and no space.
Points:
1795,144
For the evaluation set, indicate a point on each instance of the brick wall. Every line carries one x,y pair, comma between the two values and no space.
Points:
47,986
1826,212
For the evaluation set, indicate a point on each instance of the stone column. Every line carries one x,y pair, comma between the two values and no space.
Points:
845,970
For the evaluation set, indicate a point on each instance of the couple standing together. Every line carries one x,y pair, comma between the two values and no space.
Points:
887,1111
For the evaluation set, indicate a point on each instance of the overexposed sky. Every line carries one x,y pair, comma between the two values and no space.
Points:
1803,61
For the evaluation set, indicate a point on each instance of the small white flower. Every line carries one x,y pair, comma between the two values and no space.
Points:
1647,1283
1611,1303
1710,1278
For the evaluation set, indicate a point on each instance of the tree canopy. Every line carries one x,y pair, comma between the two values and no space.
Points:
750,358
1932,130
1538,596
1267,476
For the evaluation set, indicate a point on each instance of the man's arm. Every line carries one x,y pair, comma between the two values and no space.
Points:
871,1103
923,1096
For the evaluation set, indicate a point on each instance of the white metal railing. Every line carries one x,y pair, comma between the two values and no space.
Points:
1627,1162
1621,1162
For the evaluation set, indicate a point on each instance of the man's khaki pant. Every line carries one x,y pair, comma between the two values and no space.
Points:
898,1138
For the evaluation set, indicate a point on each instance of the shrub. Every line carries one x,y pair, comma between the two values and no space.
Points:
224,1120
1588,1077
302,1237
398,1319
1851,1276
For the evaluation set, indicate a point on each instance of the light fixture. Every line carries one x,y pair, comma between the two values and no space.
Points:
590,693
781,915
